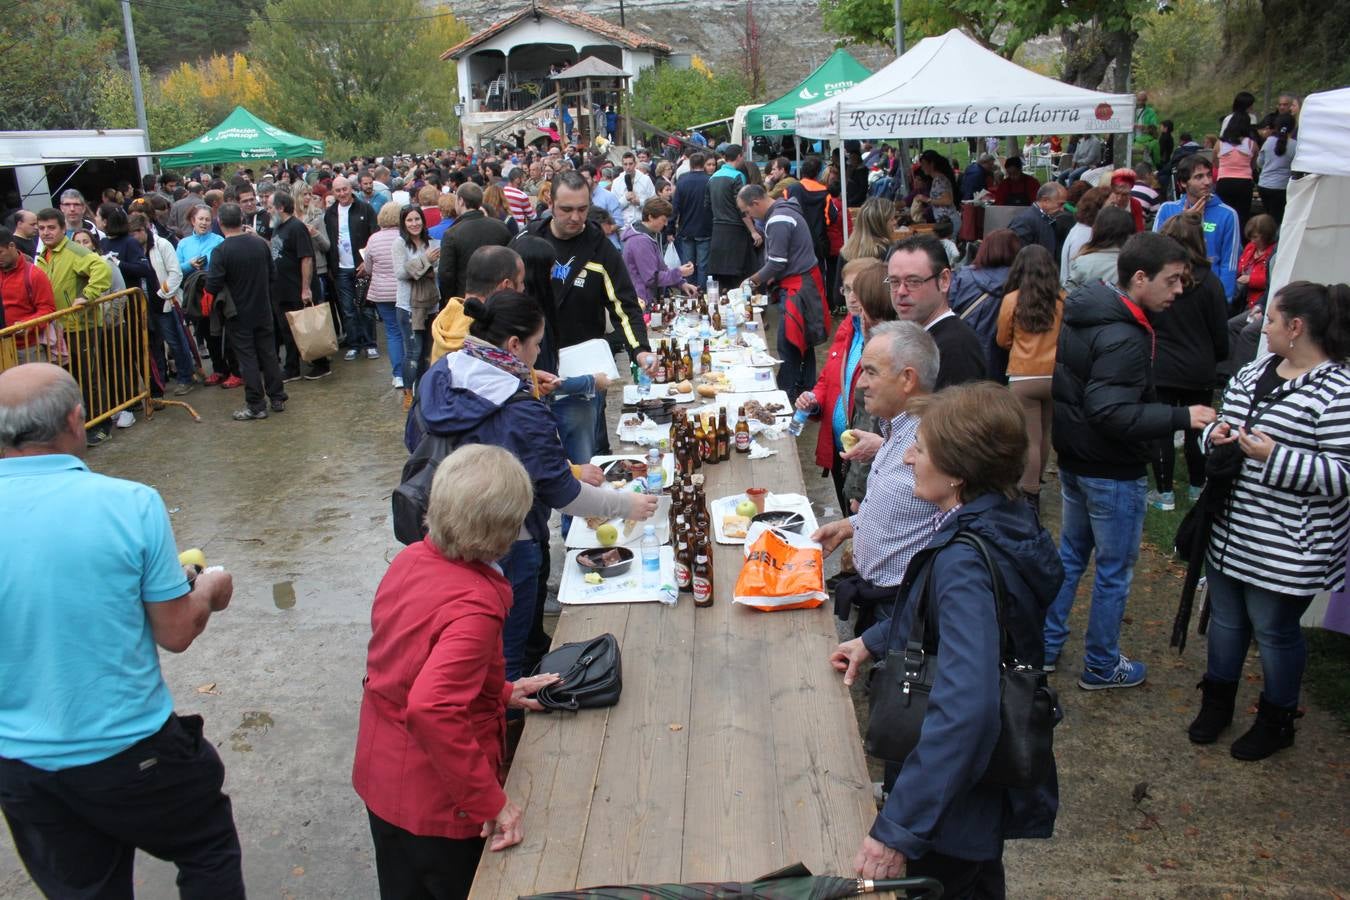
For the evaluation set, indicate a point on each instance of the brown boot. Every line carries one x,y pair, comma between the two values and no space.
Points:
407,399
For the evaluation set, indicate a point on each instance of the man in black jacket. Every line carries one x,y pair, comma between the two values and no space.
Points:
1036,223
1106,416
350,222
243,265
590,283
919,277
473,229
693,217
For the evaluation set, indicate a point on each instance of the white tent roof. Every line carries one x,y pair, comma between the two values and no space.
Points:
951,86
1324,133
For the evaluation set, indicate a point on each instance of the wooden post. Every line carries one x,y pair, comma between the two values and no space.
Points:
627,118
590,113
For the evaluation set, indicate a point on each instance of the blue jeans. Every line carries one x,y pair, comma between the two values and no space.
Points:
412,348
357,324
520,565
1240,611
695,250
171,332
1105,515
393,337
576,415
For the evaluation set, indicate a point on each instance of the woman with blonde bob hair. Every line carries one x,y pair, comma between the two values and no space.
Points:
433,715
940,818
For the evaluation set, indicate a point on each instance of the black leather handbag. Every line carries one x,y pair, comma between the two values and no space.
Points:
592,675
1028,705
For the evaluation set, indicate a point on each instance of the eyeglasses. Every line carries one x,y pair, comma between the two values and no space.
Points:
846,290
912,283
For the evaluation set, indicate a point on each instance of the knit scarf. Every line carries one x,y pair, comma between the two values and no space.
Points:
502,359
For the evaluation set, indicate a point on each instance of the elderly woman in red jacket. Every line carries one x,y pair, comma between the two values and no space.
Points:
433,717
832,397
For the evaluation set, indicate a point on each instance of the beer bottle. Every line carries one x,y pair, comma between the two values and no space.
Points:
709,448
716,319
742,432
683,570
706,358
660,376
703,578
690,502
688,363
699,439
723,436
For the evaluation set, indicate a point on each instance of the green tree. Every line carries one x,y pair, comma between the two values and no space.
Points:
50,60
374,84
171,122
671,98
193,28
1178,43
1001,26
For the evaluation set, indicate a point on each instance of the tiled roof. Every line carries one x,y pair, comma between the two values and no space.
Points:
621,36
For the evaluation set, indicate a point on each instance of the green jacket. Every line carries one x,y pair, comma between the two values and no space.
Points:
74,272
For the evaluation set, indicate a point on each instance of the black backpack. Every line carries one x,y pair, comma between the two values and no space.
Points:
411,496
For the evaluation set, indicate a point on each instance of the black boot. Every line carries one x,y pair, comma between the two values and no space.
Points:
1272,731
1216,710
1033,502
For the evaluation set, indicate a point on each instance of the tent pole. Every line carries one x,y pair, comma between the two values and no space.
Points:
843,189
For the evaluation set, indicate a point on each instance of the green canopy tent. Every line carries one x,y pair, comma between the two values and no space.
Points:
836,74
242,136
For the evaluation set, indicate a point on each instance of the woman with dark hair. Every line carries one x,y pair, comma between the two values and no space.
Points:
1028,328
1084,215
832,396
484,393
1281,536
941,196
164,322
976,290
1262,234
940,818
1190,339
416,299
1234,156
1277,152
1097,260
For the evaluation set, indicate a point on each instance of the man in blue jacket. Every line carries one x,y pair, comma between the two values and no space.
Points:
1223,236
693,217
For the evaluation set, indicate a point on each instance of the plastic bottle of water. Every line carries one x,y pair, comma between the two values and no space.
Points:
644,383
704,328
798,422
712,291
729,320
655,476
651,558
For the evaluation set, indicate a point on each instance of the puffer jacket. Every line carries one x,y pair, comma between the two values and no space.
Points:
1106,409
969,284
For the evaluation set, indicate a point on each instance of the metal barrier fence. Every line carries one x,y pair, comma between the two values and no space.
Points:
104,344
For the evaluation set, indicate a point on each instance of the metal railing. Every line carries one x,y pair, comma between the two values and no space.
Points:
104,344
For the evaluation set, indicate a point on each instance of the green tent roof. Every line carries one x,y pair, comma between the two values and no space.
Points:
838,73
242,136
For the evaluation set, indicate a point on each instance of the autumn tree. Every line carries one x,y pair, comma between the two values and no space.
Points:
217,84
367,73
171,121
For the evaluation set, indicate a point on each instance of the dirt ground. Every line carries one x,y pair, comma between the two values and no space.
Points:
297,508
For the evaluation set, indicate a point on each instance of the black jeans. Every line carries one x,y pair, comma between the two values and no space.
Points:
255,349
962,879
77,829
1164,454
412,867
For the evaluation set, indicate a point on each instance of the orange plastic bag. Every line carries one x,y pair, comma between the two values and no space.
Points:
781,571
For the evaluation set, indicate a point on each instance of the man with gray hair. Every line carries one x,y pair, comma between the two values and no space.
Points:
1036,223
76,211
899,363
94,763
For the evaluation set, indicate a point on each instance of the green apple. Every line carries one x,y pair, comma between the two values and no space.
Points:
607,535
747,508
192,557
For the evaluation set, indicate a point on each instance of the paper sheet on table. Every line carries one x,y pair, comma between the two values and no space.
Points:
587,358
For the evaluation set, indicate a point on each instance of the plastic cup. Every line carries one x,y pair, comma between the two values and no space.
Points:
757,496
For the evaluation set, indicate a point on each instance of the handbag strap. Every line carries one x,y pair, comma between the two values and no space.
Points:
923,613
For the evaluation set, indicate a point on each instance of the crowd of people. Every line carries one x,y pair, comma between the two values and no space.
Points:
1099,325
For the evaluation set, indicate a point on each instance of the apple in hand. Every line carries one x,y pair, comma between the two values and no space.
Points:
192,557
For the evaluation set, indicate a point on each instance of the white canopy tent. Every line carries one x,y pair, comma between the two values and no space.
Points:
1315,239
951,86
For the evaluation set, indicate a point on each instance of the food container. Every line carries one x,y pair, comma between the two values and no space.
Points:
783,519
658,410
594,560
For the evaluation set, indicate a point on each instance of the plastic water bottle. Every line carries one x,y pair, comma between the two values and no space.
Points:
651,558
729,320
704,328
711,291
644,383
655,476
798,422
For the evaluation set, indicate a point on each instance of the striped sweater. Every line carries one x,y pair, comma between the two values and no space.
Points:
1285,526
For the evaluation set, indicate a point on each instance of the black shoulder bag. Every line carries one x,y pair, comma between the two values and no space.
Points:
1024,753
592,675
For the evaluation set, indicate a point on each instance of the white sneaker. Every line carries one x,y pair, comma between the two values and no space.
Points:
125,419
398,382
372,353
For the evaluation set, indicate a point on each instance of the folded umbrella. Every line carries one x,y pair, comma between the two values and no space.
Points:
792,883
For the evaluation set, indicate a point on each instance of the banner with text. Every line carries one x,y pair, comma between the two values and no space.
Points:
1061,116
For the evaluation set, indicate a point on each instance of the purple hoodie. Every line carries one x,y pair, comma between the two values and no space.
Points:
646,263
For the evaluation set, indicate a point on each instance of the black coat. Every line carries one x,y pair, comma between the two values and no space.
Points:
1106,410
360,224
1034,227
472,230
1192,335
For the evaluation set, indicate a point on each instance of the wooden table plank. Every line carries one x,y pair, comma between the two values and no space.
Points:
637,816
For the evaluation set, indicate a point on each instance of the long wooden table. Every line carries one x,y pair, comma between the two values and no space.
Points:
734,750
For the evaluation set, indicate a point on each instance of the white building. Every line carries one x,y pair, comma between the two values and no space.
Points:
504,69
39,164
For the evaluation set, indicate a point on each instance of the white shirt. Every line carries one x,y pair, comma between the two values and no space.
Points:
642,188
345,258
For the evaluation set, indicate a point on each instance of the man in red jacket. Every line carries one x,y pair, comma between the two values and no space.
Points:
25,293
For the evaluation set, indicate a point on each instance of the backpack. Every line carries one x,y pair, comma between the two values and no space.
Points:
410,499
